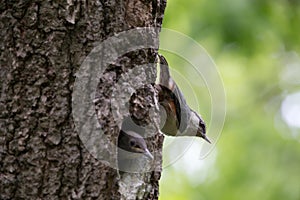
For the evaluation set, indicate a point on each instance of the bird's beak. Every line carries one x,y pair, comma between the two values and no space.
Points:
206,138
148,154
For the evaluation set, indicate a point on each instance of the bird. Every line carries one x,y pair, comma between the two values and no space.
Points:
180,119
132,145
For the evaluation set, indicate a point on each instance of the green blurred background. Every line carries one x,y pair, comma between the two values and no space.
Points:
255,45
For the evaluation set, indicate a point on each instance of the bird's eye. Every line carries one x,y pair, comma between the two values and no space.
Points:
132,143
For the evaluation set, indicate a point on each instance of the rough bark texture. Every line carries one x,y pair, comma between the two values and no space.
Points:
43,43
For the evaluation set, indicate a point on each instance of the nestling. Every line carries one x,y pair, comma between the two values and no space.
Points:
131,143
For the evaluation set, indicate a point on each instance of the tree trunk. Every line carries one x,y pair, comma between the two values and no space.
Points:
43,45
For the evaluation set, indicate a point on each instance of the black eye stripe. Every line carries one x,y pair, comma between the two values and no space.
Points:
132,143
201,124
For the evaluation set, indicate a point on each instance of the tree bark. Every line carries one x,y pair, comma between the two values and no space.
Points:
43,44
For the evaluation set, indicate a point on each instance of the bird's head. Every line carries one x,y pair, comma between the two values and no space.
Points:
133,142
200,124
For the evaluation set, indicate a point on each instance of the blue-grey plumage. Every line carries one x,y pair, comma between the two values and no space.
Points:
181,120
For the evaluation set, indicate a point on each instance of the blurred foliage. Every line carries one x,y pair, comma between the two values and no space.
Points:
251,42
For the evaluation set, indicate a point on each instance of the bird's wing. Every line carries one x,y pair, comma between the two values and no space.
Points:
171,90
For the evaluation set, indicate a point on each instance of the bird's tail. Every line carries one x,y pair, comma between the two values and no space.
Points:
165,77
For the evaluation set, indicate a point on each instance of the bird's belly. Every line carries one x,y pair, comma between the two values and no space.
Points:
170,127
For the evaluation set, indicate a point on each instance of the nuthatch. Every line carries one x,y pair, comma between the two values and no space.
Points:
131,143
180,118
